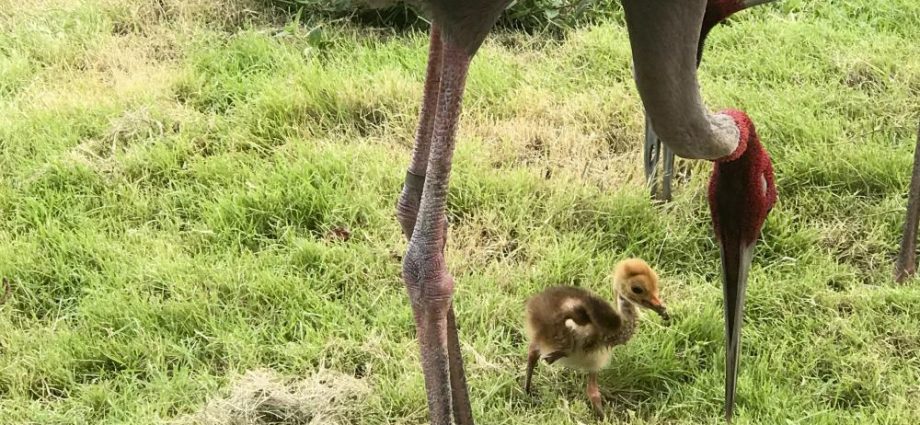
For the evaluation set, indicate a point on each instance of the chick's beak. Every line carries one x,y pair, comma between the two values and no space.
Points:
658,307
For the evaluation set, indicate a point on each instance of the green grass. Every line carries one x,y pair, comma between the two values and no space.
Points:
171,172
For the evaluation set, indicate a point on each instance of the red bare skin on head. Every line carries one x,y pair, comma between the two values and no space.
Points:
742,190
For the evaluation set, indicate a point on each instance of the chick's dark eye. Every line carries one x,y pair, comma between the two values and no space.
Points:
636,290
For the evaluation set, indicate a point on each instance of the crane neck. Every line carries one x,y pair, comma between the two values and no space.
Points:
665,36
629,316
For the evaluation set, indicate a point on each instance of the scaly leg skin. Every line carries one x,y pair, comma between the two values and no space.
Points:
594,394
411,196
654,150
668,173
463,411
652,154
407,211
431,321
428,282
533,357
906,265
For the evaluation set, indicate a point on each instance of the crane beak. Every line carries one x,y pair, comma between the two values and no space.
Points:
663,312
736,261
657,306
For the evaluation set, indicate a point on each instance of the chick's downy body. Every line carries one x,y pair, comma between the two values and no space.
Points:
577,329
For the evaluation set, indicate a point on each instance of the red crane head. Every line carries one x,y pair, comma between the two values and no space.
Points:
741,189
741,194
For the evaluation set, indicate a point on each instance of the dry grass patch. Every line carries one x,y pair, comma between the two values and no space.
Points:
560,150
263,397
145,16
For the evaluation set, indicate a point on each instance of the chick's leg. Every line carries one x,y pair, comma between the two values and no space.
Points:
594,394
533,357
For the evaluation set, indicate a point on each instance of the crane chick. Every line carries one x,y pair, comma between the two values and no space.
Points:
577,329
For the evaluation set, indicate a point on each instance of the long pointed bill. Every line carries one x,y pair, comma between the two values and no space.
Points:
736,261
741,194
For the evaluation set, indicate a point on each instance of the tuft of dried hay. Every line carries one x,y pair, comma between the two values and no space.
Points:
132,126
262,397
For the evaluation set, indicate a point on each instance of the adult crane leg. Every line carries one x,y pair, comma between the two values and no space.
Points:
653,151
428,282
407,211
668,175
651,155
411,196
906,265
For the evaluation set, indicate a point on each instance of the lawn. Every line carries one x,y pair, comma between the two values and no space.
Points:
178,176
